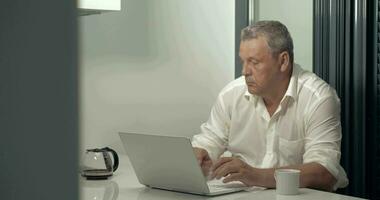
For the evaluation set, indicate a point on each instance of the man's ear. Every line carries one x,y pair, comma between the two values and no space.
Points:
284,61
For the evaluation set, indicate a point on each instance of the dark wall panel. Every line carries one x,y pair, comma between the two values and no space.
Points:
38,100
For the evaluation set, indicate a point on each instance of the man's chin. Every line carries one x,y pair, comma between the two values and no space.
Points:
254,92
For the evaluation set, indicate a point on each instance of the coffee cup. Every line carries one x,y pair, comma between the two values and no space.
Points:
287,181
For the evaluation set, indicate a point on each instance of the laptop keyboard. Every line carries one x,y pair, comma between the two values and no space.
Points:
218,185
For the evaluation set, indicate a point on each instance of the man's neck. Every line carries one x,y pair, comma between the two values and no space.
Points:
273,100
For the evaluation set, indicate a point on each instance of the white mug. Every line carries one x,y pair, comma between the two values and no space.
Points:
287,181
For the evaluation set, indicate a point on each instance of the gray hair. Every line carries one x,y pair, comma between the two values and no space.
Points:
275,33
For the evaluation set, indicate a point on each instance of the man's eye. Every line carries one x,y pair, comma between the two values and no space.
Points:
254,62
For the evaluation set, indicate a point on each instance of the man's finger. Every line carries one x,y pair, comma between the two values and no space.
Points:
199,161
225,170
200,154
220,162
233,177
206,165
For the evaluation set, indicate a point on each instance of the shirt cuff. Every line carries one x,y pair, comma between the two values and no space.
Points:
333,167
214,149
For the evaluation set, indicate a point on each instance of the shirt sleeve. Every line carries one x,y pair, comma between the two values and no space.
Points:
323,137
214,132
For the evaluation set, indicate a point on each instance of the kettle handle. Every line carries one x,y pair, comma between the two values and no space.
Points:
115,158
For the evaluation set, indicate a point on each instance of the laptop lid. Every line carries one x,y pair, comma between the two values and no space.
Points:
165,162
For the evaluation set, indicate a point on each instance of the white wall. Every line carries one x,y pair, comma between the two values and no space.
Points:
154,67
297,15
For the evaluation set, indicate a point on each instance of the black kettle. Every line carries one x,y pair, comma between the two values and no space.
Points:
98,164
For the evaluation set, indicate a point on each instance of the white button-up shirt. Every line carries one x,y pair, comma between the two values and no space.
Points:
305,127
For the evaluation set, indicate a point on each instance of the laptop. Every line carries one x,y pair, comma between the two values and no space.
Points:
169,163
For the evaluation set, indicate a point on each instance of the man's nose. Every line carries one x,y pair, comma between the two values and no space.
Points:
245,70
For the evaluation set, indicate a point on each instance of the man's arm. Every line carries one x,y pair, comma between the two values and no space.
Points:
203,159
214,133
323,138
313,175
320,168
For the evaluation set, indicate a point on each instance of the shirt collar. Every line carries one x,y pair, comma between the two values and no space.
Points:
290,92
251,97
292,87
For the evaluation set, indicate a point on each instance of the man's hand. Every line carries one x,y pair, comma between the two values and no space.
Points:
313,175
234,169
204,160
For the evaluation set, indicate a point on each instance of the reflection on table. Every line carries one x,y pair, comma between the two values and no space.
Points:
98,189
124,185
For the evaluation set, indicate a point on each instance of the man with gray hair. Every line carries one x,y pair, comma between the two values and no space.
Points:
275,116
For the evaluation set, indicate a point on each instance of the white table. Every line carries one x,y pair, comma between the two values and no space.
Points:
123,185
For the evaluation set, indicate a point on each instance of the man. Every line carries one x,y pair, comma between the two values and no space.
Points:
275,116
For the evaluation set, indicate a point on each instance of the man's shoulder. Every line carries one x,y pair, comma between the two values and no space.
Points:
310,85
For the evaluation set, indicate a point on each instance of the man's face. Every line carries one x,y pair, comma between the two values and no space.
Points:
260,68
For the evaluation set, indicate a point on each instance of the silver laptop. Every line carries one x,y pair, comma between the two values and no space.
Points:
169,163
